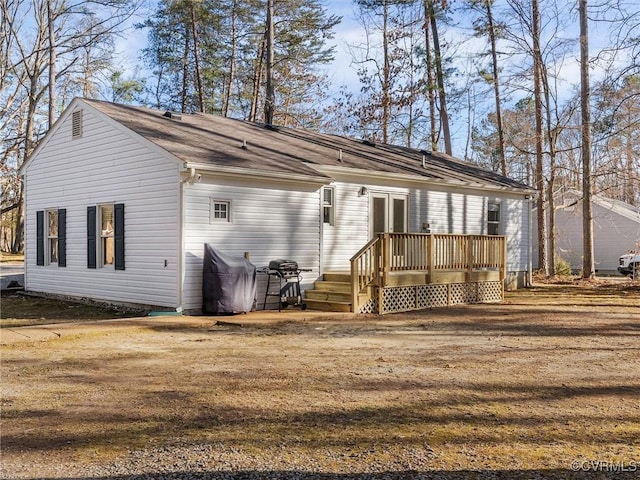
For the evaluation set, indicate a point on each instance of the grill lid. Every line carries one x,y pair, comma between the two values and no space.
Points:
283,265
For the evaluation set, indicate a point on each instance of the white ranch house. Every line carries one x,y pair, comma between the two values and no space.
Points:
120,200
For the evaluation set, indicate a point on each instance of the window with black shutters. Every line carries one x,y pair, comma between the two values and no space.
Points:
105,236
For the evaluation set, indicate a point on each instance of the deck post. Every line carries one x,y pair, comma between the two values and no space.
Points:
503,259
386,258
355,286
430,258
469,254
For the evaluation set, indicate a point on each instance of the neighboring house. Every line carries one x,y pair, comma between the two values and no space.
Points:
616,230
120,201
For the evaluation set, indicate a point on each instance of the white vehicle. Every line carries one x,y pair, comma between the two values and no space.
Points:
628,263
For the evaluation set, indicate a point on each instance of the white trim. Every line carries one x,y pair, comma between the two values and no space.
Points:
404,179
259,175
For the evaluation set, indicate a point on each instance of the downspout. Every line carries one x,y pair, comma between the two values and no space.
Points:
181,247
529,280
321,242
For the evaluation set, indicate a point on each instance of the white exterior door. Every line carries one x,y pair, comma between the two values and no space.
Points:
388,213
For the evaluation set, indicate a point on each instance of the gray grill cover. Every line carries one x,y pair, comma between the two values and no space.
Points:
228,283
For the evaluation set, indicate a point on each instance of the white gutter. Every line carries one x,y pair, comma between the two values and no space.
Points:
402,177
259,174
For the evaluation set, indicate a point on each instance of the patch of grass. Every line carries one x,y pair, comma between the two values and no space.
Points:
21,310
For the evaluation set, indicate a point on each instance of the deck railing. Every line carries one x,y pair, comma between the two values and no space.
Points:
424,252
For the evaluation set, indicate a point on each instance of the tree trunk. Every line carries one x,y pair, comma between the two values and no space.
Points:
539,170
269,102
196,55
185,69
257,80
430,83
496,88
551,141
52,63
588,269
232,61
444,116
386,72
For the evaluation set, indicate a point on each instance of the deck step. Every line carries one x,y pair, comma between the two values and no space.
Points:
341,287
337,276
328,306
328,295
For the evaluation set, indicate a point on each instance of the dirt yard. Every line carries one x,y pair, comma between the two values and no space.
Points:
545,385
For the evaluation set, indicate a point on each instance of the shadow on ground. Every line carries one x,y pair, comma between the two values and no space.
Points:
388,475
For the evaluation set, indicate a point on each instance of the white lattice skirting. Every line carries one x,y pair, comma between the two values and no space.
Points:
417,297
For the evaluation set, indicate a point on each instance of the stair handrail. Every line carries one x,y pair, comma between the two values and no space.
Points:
365,269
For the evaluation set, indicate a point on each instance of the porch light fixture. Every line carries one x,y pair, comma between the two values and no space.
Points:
363,191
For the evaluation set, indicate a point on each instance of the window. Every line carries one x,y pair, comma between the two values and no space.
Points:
105,236
52,236
328,205
107,240
220,211
493,219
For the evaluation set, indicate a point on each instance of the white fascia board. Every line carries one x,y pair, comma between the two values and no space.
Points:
415,180
259,174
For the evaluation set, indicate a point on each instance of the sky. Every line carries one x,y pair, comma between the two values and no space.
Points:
129,46
350,32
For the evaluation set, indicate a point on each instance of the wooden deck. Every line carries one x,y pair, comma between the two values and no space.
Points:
406,271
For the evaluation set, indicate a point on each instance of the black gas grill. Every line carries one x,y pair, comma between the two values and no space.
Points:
286,276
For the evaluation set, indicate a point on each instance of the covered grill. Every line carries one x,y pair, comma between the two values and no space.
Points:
228,284
285,275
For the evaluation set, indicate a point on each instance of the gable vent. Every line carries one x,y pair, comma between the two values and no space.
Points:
76,124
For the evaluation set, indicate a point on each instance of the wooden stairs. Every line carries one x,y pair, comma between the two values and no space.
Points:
331,294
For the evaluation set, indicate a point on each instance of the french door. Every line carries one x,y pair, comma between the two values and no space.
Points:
388,213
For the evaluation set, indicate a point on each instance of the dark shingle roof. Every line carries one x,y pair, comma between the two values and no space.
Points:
217,141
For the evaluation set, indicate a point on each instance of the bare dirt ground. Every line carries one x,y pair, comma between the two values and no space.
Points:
545,385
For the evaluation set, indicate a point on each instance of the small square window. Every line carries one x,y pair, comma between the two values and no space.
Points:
328,206
220,211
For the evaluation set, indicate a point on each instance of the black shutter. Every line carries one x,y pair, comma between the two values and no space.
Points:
118,233
62,237
91,237
40,237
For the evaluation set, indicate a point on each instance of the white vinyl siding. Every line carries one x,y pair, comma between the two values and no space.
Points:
270,222
514,214
463,212
106,166
351,230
